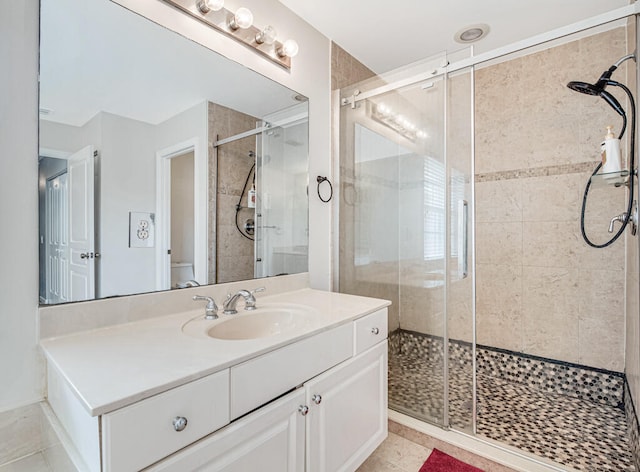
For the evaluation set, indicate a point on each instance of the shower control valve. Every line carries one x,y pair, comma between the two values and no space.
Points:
622,217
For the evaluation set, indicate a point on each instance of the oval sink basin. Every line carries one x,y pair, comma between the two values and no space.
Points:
267,320
261,323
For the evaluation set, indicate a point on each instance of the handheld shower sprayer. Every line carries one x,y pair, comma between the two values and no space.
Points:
598,89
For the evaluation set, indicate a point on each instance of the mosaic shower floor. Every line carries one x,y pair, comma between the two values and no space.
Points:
570,431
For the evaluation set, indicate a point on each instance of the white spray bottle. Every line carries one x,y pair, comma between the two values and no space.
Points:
611,160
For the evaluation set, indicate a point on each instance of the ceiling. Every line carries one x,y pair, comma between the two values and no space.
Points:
385,35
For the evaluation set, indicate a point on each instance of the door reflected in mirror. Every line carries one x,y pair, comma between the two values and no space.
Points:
162,164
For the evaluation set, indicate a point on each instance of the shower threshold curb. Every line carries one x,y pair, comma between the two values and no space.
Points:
481,447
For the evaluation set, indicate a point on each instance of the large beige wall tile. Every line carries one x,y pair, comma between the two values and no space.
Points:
600,344
552,198
599,294
421,309
499,200
499,243
550,312
499,306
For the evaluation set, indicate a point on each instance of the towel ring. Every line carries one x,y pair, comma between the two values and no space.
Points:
321,179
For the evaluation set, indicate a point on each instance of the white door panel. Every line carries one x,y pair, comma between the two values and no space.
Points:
80,169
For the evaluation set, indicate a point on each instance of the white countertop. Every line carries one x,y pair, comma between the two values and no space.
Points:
113,367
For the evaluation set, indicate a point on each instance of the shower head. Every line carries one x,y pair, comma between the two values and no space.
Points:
584,87
598,89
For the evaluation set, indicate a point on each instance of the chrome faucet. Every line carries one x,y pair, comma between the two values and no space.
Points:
621,218
229,306
211,310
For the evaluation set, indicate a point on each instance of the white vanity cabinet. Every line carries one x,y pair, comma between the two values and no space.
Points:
347,416
336,420
317,404
270,439
332,423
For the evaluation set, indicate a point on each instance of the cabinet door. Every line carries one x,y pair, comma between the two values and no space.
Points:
347,416
270,439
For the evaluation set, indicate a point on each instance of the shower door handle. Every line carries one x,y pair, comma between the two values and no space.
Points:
463,239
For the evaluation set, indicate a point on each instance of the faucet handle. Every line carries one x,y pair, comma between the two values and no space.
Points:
250,301
211,310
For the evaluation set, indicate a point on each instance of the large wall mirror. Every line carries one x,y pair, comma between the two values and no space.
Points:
162,164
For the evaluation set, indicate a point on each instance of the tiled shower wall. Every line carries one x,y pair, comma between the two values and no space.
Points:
233,258
540,289
632,352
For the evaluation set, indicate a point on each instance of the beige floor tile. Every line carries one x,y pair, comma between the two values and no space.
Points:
32,463
396,454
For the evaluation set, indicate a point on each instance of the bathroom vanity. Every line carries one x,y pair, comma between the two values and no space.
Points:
299,384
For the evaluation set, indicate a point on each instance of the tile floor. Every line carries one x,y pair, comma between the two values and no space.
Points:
396,454
570,431
25,430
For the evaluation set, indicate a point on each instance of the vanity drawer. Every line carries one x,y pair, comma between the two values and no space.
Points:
264,378
141,434
370,330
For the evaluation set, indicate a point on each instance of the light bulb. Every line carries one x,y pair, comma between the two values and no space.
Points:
267,35
289,48
242,19
205,6
383,109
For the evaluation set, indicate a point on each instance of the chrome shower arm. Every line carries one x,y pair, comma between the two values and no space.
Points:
625,58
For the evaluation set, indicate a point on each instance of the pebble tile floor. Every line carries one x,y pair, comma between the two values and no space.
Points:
569,431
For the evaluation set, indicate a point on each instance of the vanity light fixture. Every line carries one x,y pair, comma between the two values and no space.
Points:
205,6
239,25
243,18
288,49
383,114
267,35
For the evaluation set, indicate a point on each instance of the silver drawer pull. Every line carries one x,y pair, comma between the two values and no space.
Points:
317,399
303,409
375,331
179,423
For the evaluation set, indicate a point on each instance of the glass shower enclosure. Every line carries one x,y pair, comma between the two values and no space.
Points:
405,220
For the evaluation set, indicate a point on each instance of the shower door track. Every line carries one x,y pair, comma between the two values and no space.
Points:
558,33
293,120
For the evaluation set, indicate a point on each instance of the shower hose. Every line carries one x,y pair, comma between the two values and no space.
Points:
631,176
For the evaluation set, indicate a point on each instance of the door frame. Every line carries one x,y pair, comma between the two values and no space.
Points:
163,211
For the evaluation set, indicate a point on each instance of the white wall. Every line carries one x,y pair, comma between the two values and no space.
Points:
20,367
192,126
127,183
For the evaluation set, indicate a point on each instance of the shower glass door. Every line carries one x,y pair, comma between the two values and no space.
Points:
404,221
281,193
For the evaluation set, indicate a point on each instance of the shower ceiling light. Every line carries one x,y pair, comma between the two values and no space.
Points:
239,26
472,33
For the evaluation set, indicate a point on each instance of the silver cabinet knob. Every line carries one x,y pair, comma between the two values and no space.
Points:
179,423
317,399
303,409
375,331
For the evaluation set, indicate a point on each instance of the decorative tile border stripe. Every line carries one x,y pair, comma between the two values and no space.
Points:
545,375
633,427
537,172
